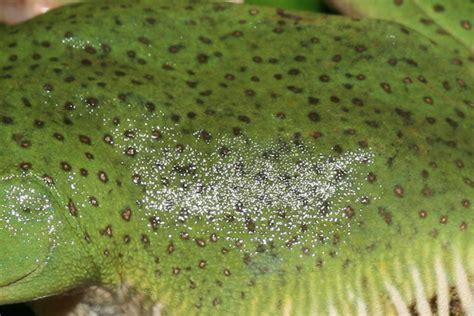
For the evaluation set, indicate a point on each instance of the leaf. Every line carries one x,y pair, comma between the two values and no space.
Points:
309,5
448,23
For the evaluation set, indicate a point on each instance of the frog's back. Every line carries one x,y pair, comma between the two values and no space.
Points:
226,158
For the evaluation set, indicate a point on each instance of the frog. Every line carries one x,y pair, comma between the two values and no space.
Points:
224,159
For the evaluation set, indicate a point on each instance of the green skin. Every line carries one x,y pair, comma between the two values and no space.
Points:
92,94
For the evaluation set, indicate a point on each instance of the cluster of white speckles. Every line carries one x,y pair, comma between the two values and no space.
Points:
249,184
19,203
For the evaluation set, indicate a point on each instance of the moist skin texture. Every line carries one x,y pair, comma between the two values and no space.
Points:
224,159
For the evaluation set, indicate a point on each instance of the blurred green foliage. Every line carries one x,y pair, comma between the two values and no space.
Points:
309,5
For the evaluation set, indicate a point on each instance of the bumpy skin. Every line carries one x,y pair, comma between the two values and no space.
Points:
233,159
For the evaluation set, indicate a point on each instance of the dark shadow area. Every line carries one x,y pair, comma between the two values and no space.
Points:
16,310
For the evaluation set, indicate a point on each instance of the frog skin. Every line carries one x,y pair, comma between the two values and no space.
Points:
230,159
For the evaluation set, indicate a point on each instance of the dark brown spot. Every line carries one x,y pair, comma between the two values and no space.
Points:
126,214
103,176
91,102
428,100
94,201
386,87
145,240
200,242
107,231
324,78
399,191
371,177
108,139
466,203
314,117
466,24
72,207
443,219
25,166
65,166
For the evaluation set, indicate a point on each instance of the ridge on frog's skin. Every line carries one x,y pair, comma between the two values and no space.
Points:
224,159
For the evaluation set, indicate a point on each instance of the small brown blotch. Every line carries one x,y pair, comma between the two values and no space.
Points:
335,99
423,214
365,200
25,144
253,12
127,239
94,201
184,235
136,179
176,270
87,238
131,152
84,172
324,78
214,237
72,207
224,151
202,264
85,139
349,211
91,102
386,87
108,139
227,272
58,136
170,249
200,242
145,240
427,191
65,166
463,226
154,222
466,203
316,134
371,177
443,219
425,174
48,179
466,24
107,231
156,134
399,191
428,100
25,166
459,163
280,115
126,214
103,176
106,253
